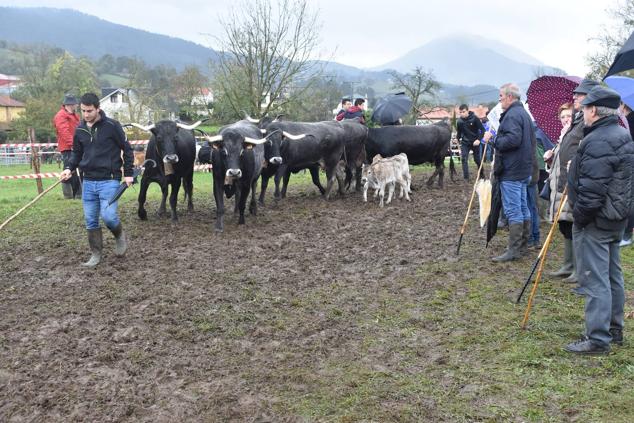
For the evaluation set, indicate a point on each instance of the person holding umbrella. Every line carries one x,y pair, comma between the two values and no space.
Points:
469,132
601,194
97,146
567,148
513,167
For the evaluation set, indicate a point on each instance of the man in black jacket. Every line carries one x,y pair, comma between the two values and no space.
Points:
469,132
600,184
97,146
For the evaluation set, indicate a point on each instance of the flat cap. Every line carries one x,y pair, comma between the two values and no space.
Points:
585,86
69,99
602,96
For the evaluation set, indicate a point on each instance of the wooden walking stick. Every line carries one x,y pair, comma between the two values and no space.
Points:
464,224
542,251
543,260
29,204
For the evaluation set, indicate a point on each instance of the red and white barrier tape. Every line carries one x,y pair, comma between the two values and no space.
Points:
57,174
54,144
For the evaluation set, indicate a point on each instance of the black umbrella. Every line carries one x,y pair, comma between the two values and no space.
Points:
136,172
391,108
624,59
496,208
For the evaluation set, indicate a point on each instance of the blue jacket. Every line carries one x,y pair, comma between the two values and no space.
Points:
513,144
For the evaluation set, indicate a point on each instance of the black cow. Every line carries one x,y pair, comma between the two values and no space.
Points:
172,147
422,144
355,135
305,145
237,156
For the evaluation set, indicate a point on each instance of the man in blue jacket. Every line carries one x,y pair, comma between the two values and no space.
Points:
601,191
97,146
514,156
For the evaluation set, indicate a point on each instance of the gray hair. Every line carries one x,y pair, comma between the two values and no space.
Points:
511,89
603,111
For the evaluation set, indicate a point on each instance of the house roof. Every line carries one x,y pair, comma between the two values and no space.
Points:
434,113
6,101
107,92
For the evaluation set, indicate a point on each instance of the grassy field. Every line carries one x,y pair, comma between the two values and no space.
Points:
476,366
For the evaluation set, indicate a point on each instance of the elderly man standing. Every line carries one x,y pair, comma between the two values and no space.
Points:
600,185
514,156
65,122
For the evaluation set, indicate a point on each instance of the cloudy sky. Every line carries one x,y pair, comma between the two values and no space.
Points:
372,32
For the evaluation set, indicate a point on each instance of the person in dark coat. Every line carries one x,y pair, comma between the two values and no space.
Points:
514,165
469,132
601,191
101,149
357,111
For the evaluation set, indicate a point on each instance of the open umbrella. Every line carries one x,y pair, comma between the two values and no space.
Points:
545,95
391,108
624,59
624,86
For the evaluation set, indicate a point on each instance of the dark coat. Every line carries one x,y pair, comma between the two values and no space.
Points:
514,144
97,150
469,129
601,179
568,149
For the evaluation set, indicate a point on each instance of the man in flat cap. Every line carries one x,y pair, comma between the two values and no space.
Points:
567,150
600,188
65,122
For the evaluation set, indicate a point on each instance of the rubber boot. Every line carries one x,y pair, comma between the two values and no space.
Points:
573,276
95,240
526,235
67,190
567,267
515,240
121,244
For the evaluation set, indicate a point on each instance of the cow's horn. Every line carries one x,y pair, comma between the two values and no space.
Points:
254,141
249,118
293,137
214,138
144,128
189,127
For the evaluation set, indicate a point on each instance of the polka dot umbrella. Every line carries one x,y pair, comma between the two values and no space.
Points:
544,96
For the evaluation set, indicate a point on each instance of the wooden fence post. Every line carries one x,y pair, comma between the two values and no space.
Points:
35,160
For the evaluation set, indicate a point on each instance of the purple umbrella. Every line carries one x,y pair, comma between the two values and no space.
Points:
544,97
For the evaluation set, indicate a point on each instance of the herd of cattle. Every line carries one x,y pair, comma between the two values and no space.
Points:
250,149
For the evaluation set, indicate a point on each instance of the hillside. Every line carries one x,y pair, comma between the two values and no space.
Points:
51,26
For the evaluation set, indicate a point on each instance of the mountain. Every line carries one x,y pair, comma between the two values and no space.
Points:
85,35
470,60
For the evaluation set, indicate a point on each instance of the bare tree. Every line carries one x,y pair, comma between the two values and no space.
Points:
188,86
420,85
611,38
267,50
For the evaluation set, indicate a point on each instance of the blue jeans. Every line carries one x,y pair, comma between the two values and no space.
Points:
514,200
465,147
531,199
95,197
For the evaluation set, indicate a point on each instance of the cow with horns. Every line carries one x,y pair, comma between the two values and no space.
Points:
237,157
173,148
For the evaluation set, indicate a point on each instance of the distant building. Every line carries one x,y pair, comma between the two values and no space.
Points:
201,102
8,83
428,116
10,110
123,104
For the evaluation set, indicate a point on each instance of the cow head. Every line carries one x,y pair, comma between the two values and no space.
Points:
277,138
165,133
233,145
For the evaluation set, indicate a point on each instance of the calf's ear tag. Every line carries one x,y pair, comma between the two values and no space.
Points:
214,146
249,146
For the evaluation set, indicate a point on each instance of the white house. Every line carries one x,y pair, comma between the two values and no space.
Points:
122,104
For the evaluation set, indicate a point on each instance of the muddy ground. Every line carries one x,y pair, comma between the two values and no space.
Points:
239,326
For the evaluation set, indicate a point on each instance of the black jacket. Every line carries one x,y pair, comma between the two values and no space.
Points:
601,178
469,129
97,150
515,144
